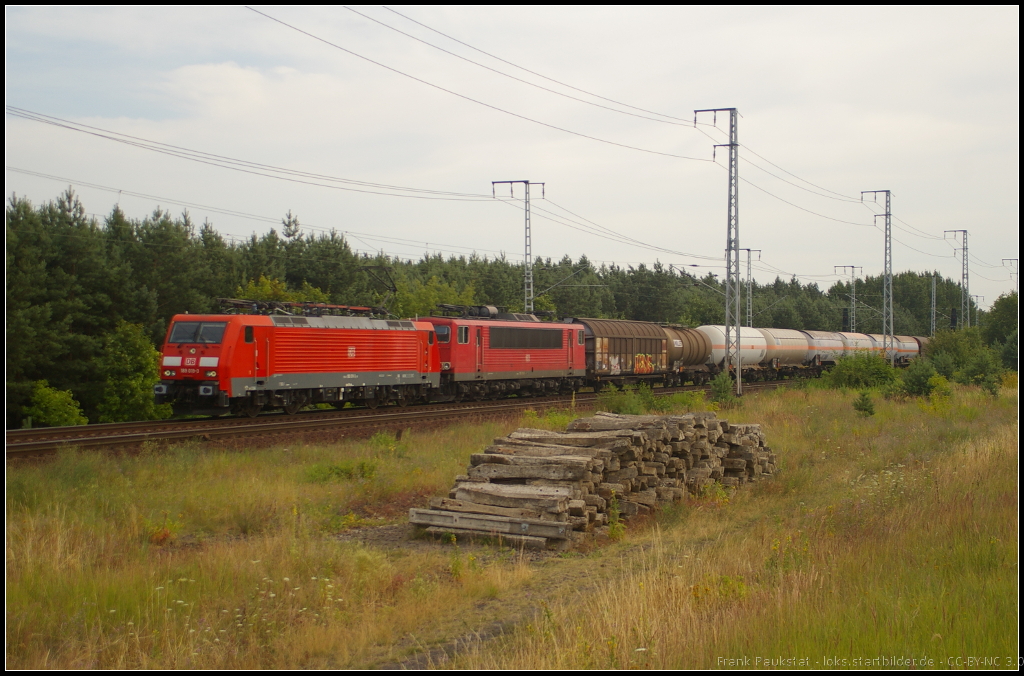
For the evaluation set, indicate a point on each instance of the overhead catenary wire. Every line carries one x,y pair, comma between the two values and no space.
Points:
449,248
840,197
532,72
476,101
583,226
676,120
246,166
974,258
681,123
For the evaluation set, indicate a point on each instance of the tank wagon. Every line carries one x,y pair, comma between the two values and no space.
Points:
769,354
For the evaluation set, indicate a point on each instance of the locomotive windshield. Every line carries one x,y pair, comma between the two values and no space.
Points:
210,333
444,333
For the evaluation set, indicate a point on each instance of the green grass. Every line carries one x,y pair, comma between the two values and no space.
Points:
894,535
196,558
888,535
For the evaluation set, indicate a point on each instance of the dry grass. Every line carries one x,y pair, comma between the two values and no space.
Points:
894,534
889,536
193,559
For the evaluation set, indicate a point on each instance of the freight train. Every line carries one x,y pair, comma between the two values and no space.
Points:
310,354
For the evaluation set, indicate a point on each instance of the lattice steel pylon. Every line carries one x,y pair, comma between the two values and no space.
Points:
732,248
750,287
888,332
1014,272
528,262
933,306
965,282
853,292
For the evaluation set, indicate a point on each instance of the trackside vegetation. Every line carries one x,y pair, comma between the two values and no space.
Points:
892,534
885,536
75,283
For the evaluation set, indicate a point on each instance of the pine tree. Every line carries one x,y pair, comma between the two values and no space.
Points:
864,405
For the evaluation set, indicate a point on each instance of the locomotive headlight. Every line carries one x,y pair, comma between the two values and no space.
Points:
211,374
169,372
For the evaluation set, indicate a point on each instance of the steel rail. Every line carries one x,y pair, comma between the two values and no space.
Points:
24,443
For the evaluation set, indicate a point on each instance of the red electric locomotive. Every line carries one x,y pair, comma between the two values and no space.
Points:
245,363
487,354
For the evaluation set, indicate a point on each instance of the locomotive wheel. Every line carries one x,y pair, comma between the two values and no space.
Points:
403,400
294,407
372,402
252,410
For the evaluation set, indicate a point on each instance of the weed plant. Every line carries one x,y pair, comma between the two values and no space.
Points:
642,400
203,559
890,535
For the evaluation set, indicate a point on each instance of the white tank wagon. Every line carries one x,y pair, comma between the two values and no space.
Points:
905,348
855,342
824,347
785,347
753,347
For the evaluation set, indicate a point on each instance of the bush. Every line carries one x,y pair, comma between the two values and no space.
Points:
959,345
651,403
721,389
917,377
130,367
51,407
895,390
944,364
940,388
619,401
1008,351
694,400
983,369
859,370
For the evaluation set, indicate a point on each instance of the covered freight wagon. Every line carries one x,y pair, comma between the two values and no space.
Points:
621,352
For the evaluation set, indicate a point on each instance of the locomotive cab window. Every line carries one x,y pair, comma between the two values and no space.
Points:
579,338
430,337
248,334
444,334
525,339
463,335
210,333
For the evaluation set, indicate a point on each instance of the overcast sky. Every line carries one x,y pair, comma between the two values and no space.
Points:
919,101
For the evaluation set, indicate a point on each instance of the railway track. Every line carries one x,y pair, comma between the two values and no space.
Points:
112,436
